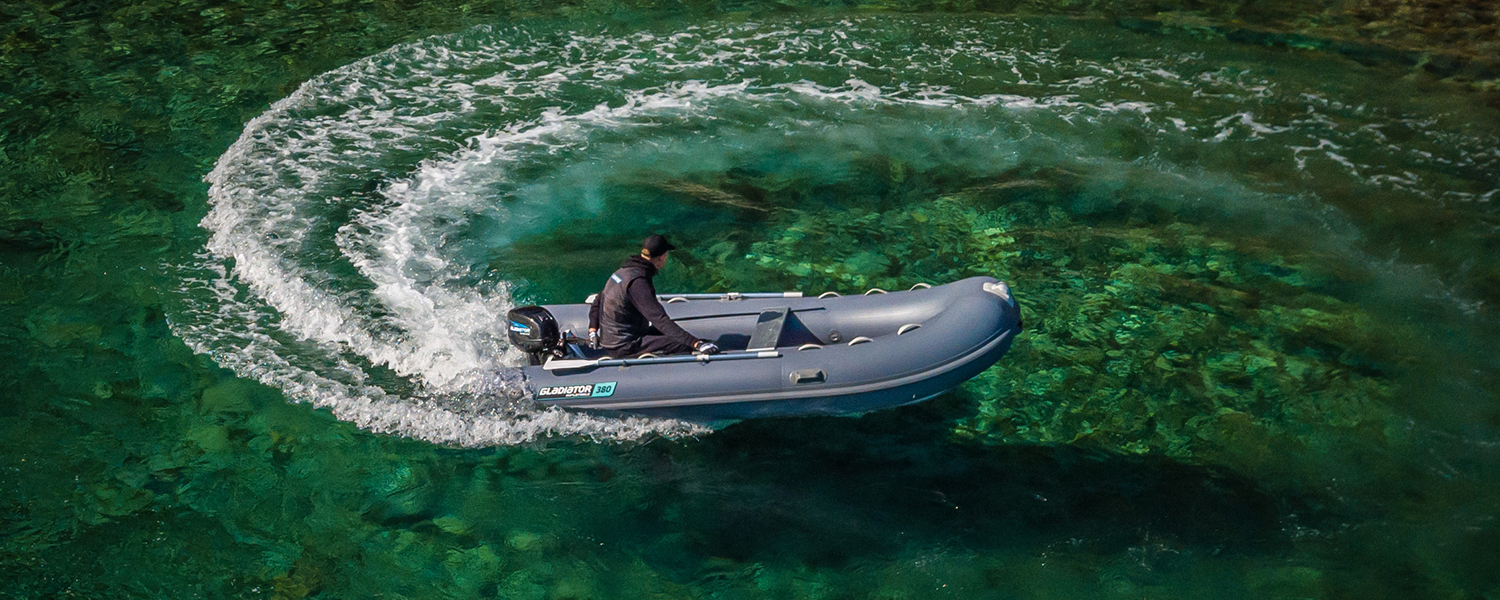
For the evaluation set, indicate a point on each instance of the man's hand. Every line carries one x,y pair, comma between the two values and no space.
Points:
706,347
594,339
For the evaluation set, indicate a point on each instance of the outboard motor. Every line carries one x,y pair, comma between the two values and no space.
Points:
534,331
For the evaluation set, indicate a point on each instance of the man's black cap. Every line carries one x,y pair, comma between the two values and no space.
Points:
656,245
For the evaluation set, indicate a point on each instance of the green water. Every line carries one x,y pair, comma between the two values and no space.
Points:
252,259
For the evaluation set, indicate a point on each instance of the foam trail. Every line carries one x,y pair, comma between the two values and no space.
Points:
340,267
441,328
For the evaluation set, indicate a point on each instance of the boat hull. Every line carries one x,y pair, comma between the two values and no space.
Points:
835,356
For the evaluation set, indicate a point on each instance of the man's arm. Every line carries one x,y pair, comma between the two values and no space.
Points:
594,312
643,296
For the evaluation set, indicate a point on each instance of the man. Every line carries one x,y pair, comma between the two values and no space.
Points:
628,319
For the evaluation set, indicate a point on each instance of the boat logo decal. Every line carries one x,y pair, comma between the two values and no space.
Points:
519,328
587,390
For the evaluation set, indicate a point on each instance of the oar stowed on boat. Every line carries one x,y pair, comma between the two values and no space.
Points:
785,354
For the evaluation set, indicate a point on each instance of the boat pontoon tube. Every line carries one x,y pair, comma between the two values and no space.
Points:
789,355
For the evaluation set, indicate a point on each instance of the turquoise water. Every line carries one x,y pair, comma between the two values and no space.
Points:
253,292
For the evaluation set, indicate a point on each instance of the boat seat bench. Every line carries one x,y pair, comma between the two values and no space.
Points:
768,328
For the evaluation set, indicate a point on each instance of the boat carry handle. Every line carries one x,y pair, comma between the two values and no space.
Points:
568,365
809,376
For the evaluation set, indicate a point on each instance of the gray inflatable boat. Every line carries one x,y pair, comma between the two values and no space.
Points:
783,354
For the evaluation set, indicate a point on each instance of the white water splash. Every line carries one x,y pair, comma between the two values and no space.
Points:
335,267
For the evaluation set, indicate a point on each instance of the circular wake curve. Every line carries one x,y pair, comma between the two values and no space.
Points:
344,266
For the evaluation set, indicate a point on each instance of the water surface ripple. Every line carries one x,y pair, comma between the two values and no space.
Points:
353,221
1258,284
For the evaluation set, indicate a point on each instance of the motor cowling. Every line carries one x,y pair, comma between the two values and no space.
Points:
533,330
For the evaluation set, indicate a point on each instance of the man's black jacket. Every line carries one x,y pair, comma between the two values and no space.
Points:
627,309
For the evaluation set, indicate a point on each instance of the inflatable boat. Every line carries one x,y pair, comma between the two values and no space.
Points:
783,354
